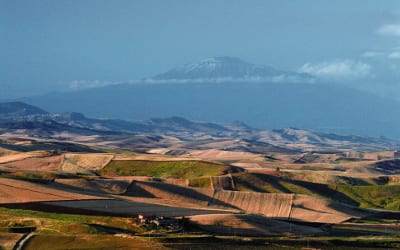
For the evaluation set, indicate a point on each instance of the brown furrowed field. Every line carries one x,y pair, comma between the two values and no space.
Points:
17,156
223,155
84,162
48,164
250,225
17,191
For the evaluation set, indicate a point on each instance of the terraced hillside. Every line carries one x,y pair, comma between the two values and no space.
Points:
84,163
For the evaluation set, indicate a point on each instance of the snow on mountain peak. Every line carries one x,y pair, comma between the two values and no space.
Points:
226,68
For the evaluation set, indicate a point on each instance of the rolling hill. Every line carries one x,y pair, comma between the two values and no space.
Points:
176,133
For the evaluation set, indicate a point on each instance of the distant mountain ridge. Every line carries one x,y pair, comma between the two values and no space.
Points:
240,136
229,69
19,114
10,110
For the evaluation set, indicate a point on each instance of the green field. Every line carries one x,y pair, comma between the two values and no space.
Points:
165,169
203,182
374,196
366,195
56,223
67,231
58,242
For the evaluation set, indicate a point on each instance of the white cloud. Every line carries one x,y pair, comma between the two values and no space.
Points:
372,54
345,69
394,55
287,78
389,30
87,84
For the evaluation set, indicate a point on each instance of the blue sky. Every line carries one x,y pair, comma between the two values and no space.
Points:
48,45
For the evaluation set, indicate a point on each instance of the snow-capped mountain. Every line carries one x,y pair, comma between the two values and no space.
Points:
219,90
227,68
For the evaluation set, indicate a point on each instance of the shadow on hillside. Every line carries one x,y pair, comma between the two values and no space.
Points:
53,146
169,191
250,184
321,190
137,191
325,191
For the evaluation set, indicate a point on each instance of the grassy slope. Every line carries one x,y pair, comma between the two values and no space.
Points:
366,195
277,184
66,231
55,223
202,182
165,169
56,242
374,196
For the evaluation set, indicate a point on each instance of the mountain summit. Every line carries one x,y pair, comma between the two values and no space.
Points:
227,68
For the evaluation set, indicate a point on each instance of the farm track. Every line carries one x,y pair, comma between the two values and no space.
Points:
22,242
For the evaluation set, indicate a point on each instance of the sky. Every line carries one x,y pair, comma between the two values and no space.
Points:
48,45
